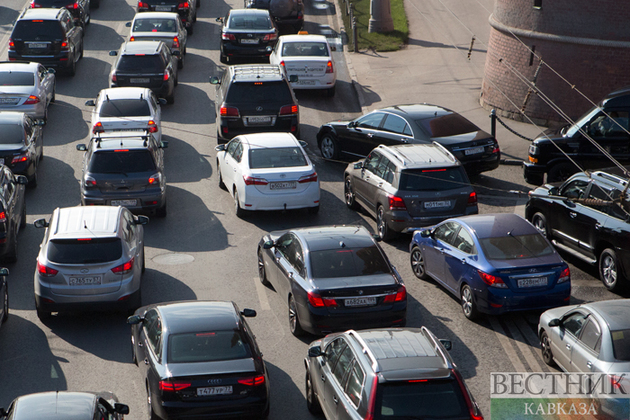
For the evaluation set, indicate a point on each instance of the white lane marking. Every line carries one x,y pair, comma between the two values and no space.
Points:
507,346
262,295
526,350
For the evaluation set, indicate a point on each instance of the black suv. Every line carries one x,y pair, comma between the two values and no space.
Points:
21,144
47,36
287,13
79,9
187,9
12,212
147,64
124,168
587,217
252,98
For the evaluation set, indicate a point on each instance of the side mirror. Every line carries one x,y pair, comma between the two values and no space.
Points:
377,238
425,233
333,48
447,344
40,223
164,144
219,19
40,123
303,143
293,78
21,179
113,53
90,103
121,408
220,148
352,124
51,71
358,165
554,322
81,147
315,351
4,271
214,80
162,101
553,191
141,220
248,313
268,245
135,319
176,53
128,24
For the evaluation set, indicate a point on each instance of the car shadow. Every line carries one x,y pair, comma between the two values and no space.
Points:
486,184
8,16
86,69
207,34
286,399
101,37
58,132
65,193
113,10
198,69
192,106
180,155
155,282
316,99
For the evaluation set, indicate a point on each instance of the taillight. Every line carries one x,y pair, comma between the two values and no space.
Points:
34,5
228,37
98,128
396,203
143,5
152,127
474,412
73,6
496,149
183,5
11,45
31,100
168,386
133,38
270,37
282,64
21,158
3,216
228,111
308,178
289,109
565,275
64,45
155,178
46,271
114,76
176,42
492,281
472,199
250,180
399,296
372,400
255,381
318,302
124,268
88,181
329,67
166,76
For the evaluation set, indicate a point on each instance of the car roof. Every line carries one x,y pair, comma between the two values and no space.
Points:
55,405
141,47
615,312
41,13
18,66
619,97
333,237
421,155
249,12
256,72
9,117
497,225
120,143
85,222
198,316
156,15
417,111
303,38
125,93
269,140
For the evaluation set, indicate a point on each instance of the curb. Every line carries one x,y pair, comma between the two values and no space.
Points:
512,162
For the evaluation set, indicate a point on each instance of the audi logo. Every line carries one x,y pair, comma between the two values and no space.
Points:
214,381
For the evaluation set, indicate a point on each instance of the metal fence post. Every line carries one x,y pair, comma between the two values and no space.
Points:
493,123
354,34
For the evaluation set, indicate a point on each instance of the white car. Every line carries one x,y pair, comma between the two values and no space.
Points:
160,26
310,58
125,109
267,171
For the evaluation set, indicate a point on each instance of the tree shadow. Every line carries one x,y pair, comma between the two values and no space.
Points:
180,155
8,16
285,396
97,33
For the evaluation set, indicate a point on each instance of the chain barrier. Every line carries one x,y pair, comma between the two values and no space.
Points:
511,130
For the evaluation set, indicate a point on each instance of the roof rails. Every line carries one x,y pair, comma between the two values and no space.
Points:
257,70
436,344
610,177
127,135
396,154
366,350
446,151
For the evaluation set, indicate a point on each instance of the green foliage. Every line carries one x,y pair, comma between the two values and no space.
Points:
389,41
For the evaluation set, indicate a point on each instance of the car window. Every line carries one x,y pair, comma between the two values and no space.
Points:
232,146
238,152
276,157
259,92
102,413
122,161
574,323
446,232
207,346
8,186
381,170
304,49
12,133
249,21
154,335
575,189
591,335
125,108
438,179
343,364
140,63
394,123
372,120
464,242
17,78
347,262
613,125
84,250
292,251
621,344
371,162
447,125
389,173
598,193
333,350
38,30
511,247
154,25
354,388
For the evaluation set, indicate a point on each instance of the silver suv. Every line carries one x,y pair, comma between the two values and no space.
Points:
401,373
90,257
406,187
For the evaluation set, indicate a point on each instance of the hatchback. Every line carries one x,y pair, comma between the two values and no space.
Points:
247,33
21,144
161,26
28,88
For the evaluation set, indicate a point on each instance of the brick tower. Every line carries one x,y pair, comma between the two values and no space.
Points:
585,41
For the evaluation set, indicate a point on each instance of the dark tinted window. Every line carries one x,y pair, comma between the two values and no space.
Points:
84,251
591,335
333,351
432,179
621,344
447,125
11,134
304,49
574,323
354,387
348,262
207,347
343,364
37,30
276,157
141,63
515,247
154,25
248,21
121,162
17,78
260,92
125,108
433,399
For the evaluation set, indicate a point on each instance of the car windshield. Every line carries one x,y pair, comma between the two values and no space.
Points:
447,125
432,179
17,78
125,108
154,25
332,263
140,64
11,134
37,30
209,346
276,157
430,399
304,49
84,250
121,162
259,92
514,247
248,21
621,344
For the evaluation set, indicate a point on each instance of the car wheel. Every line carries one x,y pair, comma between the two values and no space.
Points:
23,221
331,92
313,210
384,232
221,183
161,212
237,205
469,307
417,263
223,58
262,274
328,146
609,270
312,403
43,315
5,305
540,223
349,194
152,415
561,171
32,181
294,320
545,345
11,255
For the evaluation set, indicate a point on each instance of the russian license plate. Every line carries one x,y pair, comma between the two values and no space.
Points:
214,390
249,41
366,301
124,203
259,120
84,281
282,185
9,101
474,151
532,282
37,45
140,80
306,82
163,8
436,204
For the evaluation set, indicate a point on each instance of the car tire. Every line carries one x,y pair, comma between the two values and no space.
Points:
312,403
469,307
223,58
23,221
32,181
221,183
262,273
43,315
5,304
238,210
161,212
561,171
294,319
348,192
329,146
416,258
540,223
383,230
609,270
152,415
313,210
545,346
331,92
12,255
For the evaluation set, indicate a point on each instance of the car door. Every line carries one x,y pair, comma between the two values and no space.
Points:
564,212
457,259
35,139
362,181
157,114
46,82
348,405
290,265
564,336
359,135
275,274
10,198
74,35
394,131
171,62
322,372
435,252
229,164
153,352
141,339
334,387
585,351
609,130
182,35
374,185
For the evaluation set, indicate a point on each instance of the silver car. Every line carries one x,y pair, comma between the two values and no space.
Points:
91,258
27,87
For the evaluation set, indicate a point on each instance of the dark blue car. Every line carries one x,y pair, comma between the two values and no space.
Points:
494,263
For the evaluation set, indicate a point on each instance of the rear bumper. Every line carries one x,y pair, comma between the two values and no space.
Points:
249,407
498,301
232,50
309,83
252,199
402,221
489,163
320,321
146,202
61,61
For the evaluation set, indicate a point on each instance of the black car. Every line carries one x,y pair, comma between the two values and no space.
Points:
247,33
147,64
187,9
333,278
21,144
587,217
286,13
4,292
199,360
79,9
254,98
477,150
66,405
47,36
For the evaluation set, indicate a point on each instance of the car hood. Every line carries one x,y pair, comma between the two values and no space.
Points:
554,131
211,368
358,281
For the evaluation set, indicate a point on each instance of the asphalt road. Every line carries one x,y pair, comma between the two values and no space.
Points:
203,251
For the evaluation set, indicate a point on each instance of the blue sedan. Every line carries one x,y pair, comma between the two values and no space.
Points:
494,263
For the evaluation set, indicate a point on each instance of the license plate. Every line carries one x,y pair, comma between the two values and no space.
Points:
139,80
124,203
282,185
306,82
37,45
259,120
532,282
249,41
214,390
366,301
84,281
163,8
9,101
474,150
436,204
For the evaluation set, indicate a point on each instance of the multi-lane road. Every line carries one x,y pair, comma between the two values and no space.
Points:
203,251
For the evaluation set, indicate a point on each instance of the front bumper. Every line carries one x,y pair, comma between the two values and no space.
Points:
231,127
533,174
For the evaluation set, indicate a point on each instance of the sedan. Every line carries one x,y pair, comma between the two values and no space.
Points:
477,150
21,144
268,171
199,359
27,87
494,263
161,26
333,278
247,33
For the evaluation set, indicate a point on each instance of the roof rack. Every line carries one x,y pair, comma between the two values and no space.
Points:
610,177
436,344
396,154
257,70
446,151
366,350
127,135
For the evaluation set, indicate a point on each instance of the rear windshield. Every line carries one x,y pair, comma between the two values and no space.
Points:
122,162
140,64
207,347
11,134
37,30
432,179
260,92
246,21
433,399
154,25
621,344
447,125
515,247
125,108
276,157
17,78
348,262
304,49
84,251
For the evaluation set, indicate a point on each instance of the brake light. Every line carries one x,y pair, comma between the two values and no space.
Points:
168,386
64,44
565,275
318,302
472,199
155,178
308,178
176,42
98,128
166,76
228,37
270,37
282,64
396,203
113,76
34,5
73,6
143,5
492,281
474,412
228,111
329,67
89,182
133,38
399,296
250,180
152,127
372,401
289,110
3,216
121,150
46,271
11,45
183,5
21,158
31,100
124,268
255,381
